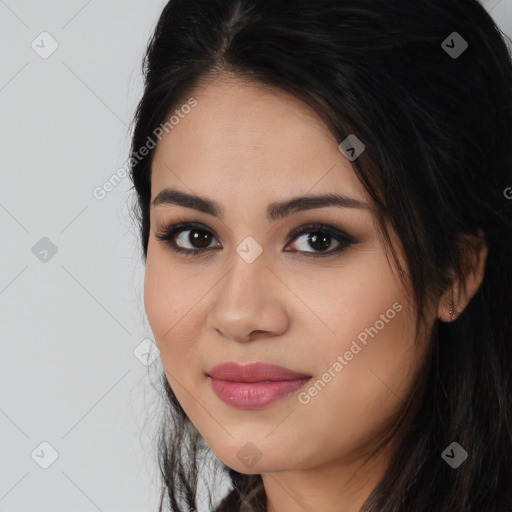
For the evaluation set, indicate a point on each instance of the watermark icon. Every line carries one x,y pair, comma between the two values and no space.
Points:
249,454
342,361
146,352
44,250
454,455
352,147
100,192
249,249
44,45
44,455
508,193
454,45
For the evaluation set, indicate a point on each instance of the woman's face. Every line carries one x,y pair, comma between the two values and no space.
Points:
327,306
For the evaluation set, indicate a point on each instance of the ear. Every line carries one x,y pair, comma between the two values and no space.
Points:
474,256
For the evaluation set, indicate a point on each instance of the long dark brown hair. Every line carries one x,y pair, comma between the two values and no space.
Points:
437,127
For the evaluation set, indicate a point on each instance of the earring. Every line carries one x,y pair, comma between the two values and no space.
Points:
451,310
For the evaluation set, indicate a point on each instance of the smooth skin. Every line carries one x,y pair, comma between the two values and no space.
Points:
246,146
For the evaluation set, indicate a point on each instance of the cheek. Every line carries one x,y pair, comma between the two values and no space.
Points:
370,322
346,300
172,312
353,401
158,300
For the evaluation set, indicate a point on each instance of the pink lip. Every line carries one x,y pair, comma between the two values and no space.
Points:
254,385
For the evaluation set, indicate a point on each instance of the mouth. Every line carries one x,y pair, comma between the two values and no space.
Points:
254,385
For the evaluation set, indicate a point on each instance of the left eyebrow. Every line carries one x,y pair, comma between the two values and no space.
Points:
275,211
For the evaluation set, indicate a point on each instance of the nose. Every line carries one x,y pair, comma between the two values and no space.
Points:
249,302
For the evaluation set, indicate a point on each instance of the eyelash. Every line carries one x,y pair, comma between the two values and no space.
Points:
169,232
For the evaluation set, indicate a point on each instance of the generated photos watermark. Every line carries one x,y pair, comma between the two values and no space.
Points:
100,192
343,360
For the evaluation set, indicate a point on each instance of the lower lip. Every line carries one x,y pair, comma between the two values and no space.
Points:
255,395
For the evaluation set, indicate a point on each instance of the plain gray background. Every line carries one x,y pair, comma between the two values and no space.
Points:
78,410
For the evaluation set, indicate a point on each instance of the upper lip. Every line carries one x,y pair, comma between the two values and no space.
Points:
253,372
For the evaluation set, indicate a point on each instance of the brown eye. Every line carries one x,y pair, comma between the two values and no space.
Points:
187,238
318,241
320,238
198,238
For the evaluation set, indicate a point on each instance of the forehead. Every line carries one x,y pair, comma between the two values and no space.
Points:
251,139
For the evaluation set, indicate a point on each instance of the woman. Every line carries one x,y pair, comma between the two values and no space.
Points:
327,236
